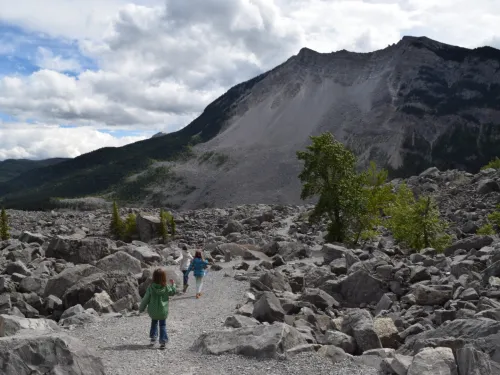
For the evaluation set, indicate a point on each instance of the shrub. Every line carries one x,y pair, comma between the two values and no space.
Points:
417,222
117,227
486,229
130,227
4,226
495,164
167,223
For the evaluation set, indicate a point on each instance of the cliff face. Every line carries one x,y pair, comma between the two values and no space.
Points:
415,104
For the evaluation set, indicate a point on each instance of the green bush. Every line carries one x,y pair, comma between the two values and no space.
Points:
416,222
117,227
495,164
130,227
486,229
167,223
4,226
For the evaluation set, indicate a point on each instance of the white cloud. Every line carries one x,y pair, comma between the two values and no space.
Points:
162,61
47,60
27,141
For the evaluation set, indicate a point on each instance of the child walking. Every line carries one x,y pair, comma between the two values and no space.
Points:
198,265
156,299
185,260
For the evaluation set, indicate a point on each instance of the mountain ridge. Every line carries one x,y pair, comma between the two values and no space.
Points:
414,104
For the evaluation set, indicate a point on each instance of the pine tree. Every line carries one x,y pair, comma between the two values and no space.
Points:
167,223
117,227
130,227
4,226
330,173
417,222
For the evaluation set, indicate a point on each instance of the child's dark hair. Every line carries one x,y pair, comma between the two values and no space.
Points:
160,277
198,254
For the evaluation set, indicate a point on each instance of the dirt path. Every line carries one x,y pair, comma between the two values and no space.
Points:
123,342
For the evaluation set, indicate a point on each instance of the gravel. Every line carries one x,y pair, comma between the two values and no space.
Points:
123,343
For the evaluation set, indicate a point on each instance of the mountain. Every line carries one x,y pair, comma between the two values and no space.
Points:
159,134
11,168
414,104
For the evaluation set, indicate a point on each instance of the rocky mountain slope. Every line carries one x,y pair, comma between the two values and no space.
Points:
409,106
277,296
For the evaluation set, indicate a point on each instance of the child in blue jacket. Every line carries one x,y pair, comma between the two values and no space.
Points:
198,265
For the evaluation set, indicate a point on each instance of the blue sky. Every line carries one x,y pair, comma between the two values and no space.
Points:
76,75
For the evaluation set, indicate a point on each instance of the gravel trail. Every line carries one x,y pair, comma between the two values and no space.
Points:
123,342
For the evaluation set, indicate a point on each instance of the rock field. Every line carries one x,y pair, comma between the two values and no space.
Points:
278,299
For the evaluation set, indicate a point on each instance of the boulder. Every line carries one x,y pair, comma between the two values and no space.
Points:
432,361
263,341
319,298
143,253
487,186
268,309
359,324
17,267
239,321
29,237
117,284
332,252
275,280
79,319
431,295
474,242
59,284
79,251
287,250
334,353
11,325
473,362
387,332
120,261
54,353
361,288
148,227
100,302
232,226
341,340
32,284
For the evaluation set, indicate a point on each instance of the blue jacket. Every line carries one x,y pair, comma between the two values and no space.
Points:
198,265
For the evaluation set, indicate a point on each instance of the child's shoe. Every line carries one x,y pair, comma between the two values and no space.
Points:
198,295
184,288
162,346
152,342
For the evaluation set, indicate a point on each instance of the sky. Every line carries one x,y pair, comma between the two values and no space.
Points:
78,75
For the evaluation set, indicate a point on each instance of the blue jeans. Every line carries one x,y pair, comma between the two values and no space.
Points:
185,277
153,333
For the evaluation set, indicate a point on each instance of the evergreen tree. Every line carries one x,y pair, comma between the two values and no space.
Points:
329,173
117,227
130,227
4,226
417,222
167,223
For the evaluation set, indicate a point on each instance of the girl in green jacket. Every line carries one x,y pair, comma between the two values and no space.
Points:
156,299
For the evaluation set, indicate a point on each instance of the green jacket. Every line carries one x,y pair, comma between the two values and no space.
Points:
156,299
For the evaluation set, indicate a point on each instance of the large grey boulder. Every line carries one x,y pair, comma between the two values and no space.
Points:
11,325
432,361
431,295
319,298
79,251
483,334
473,362
239,321
474,242
358,288
268,309
148,227
29,237
487,186
274,280
54,353
143,253
359,324
116,284
332,252
271,341
59,284
120,261
341,340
